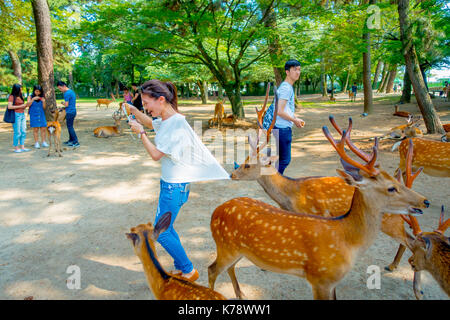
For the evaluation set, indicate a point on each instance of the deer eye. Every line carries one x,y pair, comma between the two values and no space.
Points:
246,166
392,189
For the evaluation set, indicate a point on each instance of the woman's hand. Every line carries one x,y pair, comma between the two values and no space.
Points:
135,126
133,109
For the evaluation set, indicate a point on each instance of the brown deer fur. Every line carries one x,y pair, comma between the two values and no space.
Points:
106,102
320,249
54,131
431,252
163,285
432,155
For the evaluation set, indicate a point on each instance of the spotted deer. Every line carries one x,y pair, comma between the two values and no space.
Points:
325,196
431,252
320,249
433,156
54,131
109,131
163,285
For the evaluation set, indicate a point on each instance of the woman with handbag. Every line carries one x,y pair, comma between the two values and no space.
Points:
16,103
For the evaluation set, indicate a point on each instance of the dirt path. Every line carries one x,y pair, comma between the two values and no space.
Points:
75,210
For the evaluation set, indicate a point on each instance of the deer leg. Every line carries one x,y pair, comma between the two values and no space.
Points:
222,261
323,292
397,258
50,145
58,146
237,289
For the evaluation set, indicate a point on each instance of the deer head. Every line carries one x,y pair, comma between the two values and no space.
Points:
386,192
140,233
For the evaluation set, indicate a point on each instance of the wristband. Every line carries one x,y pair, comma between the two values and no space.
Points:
143,132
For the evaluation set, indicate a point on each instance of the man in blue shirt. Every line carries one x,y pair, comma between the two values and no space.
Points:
71,112
286,114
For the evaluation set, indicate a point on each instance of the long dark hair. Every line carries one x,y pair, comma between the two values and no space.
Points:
156,88
15,92
37,87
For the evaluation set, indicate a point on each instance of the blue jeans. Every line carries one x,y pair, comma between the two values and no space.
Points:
283,138
70,117
20,129
171,198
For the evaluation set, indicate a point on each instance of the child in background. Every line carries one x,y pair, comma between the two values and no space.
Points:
127,97
36,102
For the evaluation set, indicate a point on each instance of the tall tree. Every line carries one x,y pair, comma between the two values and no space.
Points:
44,50
368,96
430,117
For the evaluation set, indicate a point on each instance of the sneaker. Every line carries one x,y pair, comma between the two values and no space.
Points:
192,278
25,150
17,150
37,146
75,145
44,144
67,142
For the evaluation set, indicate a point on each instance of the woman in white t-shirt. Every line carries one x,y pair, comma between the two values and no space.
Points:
184,159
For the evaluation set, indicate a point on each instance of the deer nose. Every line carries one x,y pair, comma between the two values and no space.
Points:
427,203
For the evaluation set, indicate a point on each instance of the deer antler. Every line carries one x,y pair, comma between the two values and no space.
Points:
410,177
260,114
364,156
339,146
442,225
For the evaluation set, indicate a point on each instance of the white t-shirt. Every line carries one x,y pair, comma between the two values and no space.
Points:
187,159
286,92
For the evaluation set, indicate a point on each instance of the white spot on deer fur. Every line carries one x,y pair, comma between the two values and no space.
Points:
331,246
315,249
239,216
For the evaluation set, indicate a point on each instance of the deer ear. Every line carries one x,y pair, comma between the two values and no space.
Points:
351,170
162,225
428,247
134,237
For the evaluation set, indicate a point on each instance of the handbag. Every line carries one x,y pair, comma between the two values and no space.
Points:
10,114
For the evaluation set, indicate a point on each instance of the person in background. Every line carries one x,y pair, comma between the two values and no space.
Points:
16,103
36,104
286,118
127,96
137,99
354,91
69,103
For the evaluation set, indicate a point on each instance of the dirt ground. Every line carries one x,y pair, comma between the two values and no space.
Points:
75,210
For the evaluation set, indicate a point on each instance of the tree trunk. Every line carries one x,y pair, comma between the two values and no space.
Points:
44,50
346,83
406,92
332,85
324,81
16,66
275,50
383,77
70,79
391,79
430,117
383,86
368,104
219,93
203,86
234,96
377,74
